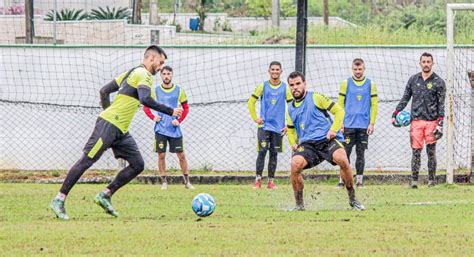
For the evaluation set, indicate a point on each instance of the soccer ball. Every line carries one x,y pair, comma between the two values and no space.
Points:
403,118
203,205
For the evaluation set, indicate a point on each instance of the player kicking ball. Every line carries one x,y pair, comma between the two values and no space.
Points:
314,137
111,130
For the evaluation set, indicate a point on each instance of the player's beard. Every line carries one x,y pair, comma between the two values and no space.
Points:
167,81
301,96
426,69
154,69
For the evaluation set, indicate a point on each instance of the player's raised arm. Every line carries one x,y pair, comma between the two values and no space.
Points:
105,92
323,102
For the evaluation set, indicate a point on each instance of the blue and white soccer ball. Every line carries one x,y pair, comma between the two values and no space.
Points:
403,118
204,205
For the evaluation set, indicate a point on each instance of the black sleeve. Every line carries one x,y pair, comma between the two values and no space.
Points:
144,95
406,96
105,92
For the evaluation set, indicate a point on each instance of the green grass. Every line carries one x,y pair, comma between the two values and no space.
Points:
363,35
435,221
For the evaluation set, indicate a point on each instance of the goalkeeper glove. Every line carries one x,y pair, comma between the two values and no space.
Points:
394,116
438,132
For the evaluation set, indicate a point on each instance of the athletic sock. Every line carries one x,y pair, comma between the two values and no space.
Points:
258,178
185,178
61,196
340,180
359,178
107,192
164,180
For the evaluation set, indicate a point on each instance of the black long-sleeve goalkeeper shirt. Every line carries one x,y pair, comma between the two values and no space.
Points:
428,97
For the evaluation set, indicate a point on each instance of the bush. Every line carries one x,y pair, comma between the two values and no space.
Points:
110,14
263,8
66,15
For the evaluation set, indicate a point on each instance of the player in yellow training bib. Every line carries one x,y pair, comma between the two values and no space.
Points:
111,130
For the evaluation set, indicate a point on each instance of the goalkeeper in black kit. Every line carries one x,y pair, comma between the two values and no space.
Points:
428,92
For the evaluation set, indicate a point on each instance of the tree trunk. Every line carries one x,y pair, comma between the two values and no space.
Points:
29,19
154,18
276,13
175,10
326,12
202,14
137,12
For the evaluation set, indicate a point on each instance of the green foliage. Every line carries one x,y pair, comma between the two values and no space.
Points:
226,26
178,27
110,14
263,8
221,26
66,15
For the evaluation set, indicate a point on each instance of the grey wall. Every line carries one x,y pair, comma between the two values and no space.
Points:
218,132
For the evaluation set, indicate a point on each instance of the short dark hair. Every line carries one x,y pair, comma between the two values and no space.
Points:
426,54
274,63
358,62
296,74
156,49
168,68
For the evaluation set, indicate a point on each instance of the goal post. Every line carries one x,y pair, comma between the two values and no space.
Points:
450,56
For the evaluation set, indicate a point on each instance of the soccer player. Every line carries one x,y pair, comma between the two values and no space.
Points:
314,137
428,91
358,97
168,128
273,95
111,130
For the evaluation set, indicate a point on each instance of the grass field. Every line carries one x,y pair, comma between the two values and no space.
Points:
435,221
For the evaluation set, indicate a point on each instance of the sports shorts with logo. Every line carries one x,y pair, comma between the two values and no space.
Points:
269,140
161,141
315,152
357,137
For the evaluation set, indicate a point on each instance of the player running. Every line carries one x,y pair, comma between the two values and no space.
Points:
168,128
427,113
358,97
273,95
314,137
111,130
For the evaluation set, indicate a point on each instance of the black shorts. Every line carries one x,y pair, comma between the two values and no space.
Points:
105,136
356,136
161,141
315,152
269,140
